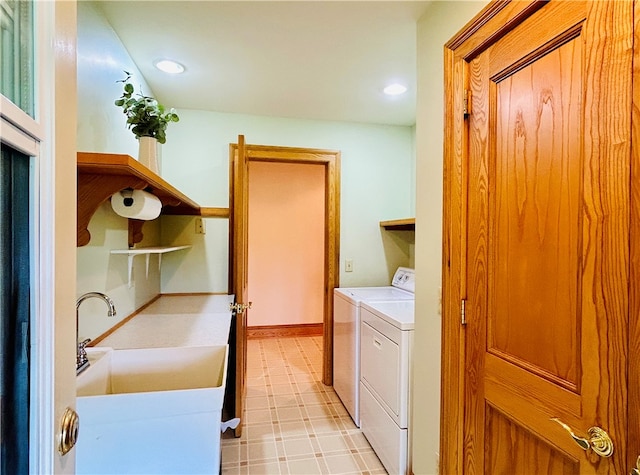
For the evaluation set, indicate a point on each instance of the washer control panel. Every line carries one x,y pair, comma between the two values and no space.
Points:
405,279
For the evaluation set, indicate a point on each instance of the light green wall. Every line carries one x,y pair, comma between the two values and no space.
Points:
377,175
376,184
101,128
440,22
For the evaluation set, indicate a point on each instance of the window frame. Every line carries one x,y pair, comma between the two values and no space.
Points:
33,136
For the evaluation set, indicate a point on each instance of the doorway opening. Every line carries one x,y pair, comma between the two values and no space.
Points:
330,161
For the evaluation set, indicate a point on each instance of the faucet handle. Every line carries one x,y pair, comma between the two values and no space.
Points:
82,362
83,344
81,354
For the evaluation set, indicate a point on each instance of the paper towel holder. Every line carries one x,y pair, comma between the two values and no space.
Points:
134,226
127,194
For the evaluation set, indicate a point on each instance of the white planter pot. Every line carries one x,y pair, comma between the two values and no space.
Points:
148,153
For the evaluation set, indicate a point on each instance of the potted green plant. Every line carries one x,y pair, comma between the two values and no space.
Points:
147,119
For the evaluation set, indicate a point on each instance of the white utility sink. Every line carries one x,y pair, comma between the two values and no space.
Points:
151,410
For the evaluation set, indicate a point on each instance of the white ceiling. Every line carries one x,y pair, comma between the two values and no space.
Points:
299,59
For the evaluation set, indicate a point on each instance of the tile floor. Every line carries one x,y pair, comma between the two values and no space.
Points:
294,425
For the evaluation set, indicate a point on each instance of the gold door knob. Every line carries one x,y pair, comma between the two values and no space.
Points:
636,470
598,441
69,427
239,307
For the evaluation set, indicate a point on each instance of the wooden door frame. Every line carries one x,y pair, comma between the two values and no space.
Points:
480,33
633,392
331,161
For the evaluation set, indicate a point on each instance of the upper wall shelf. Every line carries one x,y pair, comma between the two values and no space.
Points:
408,224
100,175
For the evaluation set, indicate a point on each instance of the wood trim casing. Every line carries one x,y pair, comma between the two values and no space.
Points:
214,212
284,331
331,160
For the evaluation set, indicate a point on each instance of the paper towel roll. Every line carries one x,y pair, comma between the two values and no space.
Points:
136,204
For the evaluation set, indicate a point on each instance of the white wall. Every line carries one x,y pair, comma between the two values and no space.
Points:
439,23
377,184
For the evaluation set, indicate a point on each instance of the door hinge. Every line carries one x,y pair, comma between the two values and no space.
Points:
466,103
463,312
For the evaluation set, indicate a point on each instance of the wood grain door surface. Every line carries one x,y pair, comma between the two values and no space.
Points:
239,269
543,206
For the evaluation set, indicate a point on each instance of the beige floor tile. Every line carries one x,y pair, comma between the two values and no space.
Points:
325,425
292,429
285,400
296,447
258,432
341,464
318,411
258,416
332,443
279,379
359,440
371,459
304,467
294,424
263,450
312,398
288,413
272,468
257,403
278,389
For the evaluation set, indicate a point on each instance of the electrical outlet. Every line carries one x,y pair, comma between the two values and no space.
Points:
200,228
348,265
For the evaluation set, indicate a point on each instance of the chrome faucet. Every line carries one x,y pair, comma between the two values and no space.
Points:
82,362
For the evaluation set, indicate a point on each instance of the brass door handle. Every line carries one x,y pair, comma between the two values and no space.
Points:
636,470
68,435
598,441
239,307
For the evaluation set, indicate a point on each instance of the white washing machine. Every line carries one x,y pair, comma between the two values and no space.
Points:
386,343
346,332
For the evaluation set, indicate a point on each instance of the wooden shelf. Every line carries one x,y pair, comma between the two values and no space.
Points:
100,175
145,251
408,224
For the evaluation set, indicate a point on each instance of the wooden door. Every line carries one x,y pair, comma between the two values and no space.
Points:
238,257
537,238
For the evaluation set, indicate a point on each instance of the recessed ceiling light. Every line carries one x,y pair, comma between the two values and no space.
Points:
395,89
169,66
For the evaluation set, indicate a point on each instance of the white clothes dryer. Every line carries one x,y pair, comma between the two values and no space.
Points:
346,332
385,381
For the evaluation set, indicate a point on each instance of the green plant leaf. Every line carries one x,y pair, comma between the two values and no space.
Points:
145,116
